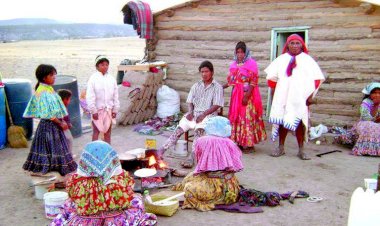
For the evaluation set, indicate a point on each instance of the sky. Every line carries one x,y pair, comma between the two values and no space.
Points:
76,11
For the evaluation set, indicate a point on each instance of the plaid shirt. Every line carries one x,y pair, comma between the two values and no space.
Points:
144,18
204,97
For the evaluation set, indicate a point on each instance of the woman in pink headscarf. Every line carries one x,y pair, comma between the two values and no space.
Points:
294,78
245,113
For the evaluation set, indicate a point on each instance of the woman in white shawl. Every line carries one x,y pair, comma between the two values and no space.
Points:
294,78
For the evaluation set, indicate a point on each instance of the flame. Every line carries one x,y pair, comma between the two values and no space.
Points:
152,161
162,164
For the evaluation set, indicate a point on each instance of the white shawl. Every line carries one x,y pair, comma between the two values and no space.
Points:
289,100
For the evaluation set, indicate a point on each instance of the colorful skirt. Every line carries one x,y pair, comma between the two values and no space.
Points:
249,130
134,215
49,151
205,190
217,154
368,142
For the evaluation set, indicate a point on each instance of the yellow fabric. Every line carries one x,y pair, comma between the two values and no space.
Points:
203,192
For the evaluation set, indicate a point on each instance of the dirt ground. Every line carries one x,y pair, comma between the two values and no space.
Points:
333,177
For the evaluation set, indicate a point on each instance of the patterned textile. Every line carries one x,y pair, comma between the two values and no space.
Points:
368,142
143,15
45,104
99,160
49,151
135,215
246,121
365,110
91,196
204,191
217,153
289,101
204,97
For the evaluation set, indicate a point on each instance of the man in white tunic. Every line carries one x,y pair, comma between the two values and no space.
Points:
294,78
204,99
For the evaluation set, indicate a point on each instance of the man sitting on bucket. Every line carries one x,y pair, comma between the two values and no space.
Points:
205,99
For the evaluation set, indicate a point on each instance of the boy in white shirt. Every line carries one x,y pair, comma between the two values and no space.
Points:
102,98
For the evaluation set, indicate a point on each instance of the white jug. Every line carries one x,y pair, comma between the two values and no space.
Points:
180,148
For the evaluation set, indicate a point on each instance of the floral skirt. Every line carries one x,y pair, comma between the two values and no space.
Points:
49,151
249,130
368,142
205,190
135,215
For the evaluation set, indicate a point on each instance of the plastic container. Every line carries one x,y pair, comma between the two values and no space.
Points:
370,183
53,202
180,148
70,83
40,190
163,210
19,92
3,125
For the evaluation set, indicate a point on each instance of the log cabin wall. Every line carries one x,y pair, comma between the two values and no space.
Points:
344,38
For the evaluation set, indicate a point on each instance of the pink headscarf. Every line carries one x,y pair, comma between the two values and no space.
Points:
292,63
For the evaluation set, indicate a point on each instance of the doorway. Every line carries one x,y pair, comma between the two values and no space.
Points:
278,40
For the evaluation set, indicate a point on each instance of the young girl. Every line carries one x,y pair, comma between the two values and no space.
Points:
102,99
49,151
65,95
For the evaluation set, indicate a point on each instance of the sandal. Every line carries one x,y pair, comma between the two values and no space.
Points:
278,151
187,164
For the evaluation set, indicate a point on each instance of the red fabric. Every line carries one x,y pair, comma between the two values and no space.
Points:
272,84
295,37
317,83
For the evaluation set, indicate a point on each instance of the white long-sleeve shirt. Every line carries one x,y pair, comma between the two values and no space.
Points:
102,93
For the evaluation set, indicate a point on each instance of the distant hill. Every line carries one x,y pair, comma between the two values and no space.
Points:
47,29
27,21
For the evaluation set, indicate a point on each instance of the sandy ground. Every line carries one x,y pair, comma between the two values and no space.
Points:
333,177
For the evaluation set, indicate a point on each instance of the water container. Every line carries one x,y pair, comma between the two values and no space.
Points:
54,202
19,92
3,126
70,83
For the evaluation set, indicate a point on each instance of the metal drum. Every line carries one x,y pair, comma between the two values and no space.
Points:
70,83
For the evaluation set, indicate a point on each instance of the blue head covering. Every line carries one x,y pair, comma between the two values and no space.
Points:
246,57
218,126
99,160
368,89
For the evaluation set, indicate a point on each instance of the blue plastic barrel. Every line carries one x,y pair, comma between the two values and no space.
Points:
70,83
19,92
3,125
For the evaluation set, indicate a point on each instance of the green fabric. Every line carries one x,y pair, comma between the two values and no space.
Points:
45,104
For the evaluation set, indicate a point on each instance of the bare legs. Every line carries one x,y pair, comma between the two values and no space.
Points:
96,132
300,134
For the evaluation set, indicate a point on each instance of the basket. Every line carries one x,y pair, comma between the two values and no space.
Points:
167,210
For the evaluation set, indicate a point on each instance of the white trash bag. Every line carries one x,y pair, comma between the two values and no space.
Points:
168,102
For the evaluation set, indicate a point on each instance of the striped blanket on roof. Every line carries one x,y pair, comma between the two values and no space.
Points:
140,12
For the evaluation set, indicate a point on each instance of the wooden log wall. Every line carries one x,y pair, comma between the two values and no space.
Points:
343,38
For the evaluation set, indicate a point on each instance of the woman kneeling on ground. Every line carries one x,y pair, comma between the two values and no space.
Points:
218,158
100,192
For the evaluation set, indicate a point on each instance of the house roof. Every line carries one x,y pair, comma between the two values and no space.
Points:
189,2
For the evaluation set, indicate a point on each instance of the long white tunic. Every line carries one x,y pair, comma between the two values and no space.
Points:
289,100
102,93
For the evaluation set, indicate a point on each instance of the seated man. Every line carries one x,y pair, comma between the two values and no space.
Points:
204,99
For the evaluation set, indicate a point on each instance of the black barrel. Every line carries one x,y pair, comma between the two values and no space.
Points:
19,92
70,83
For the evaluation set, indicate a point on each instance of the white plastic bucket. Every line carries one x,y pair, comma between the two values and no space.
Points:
40,190
53,202
181,148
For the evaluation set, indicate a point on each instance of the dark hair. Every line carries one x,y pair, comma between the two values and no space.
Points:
101,60
42,71
241,45
207,64
367,96
64,93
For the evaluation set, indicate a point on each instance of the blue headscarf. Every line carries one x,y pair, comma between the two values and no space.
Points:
247,55
368,89
99,160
